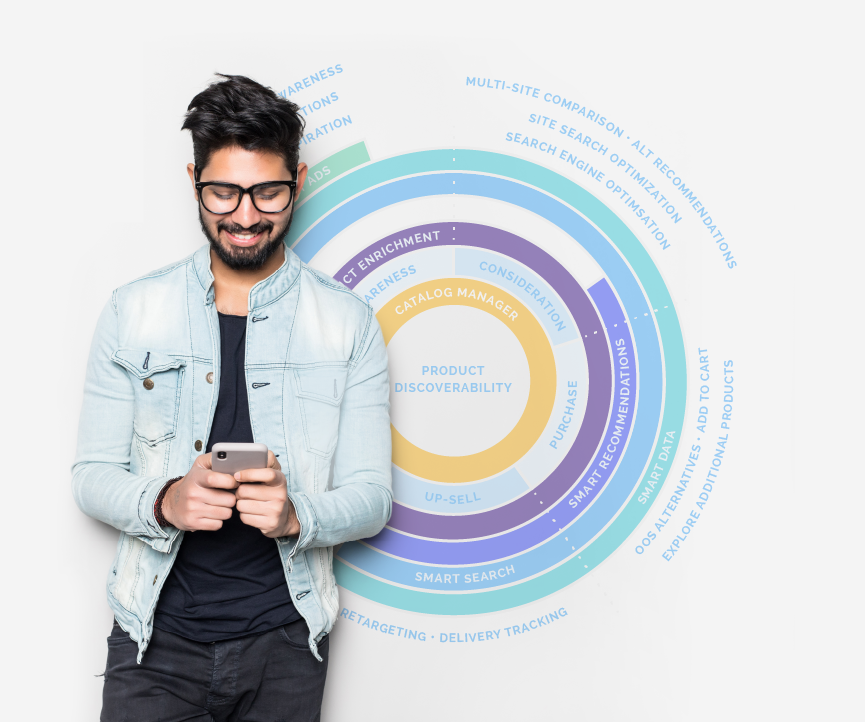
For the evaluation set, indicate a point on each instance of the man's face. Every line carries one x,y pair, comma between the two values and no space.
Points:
246,238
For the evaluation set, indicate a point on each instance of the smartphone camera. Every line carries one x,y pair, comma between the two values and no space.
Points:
220,454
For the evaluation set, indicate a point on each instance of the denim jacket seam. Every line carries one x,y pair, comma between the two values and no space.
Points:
178,400
145,511
301,366
157,273
313,534
334,285
216,363
140,451
167,456
282,414
339,288
191,347
246,342
367,345
316,526
202,282
185,357
273,300
364,346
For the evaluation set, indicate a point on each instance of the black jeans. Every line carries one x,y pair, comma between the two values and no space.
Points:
270,677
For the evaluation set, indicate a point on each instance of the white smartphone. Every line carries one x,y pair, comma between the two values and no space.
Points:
228,458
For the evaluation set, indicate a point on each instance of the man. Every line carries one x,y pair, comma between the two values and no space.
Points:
222,588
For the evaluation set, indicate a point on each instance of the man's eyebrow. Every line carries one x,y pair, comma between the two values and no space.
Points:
232,183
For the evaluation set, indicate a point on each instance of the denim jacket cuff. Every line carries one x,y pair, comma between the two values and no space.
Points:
308,520
157,536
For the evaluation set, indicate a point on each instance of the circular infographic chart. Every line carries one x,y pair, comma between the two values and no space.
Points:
530,408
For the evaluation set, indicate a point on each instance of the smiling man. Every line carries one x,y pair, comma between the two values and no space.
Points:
222,588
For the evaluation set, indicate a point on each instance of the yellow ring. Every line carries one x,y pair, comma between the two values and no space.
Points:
542,375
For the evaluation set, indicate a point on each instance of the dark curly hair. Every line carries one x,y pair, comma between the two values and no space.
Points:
237,111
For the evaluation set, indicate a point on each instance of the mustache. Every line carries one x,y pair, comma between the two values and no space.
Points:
262,226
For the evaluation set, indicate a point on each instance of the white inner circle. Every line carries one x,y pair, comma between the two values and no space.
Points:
460,339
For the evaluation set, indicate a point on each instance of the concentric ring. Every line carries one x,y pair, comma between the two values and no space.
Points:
621,257
542,370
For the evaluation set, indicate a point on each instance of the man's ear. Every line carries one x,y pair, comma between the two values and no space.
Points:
190,168
302,169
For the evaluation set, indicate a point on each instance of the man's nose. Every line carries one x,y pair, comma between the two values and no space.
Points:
246,214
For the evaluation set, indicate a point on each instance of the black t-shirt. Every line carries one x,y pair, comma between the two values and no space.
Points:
227,583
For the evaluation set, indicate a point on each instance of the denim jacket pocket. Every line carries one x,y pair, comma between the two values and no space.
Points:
320,390
157,380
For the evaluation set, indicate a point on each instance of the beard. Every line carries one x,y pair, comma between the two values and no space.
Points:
251,258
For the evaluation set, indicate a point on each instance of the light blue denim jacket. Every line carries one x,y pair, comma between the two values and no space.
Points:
316,375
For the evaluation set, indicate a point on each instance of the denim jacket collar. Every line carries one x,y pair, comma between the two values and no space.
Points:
264,292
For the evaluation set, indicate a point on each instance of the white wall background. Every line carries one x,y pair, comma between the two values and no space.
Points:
761,101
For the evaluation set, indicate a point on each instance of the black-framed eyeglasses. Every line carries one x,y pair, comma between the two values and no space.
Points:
223,198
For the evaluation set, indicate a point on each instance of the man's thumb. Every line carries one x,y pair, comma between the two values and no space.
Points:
204,461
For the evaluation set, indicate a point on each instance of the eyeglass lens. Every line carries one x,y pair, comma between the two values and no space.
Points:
270,198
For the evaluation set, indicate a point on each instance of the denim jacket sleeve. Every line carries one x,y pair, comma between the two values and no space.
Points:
359,505
102,484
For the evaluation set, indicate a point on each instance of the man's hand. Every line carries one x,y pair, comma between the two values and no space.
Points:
265,505
201,500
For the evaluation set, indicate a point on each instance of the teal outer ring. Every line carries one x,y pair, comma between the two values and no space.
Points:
672,344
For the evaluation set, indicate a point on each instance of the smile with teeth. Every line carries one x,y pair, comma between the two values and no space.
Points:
243,238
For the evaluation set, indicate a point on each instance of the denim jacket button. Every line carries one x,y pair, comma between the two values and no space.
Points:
198,445
148,384
210,377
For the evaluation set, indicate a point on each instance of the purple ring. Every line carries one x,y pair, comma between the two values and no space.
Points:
558,483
